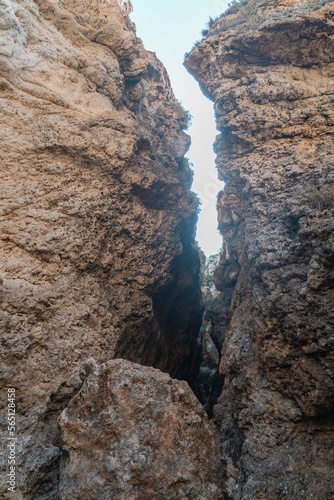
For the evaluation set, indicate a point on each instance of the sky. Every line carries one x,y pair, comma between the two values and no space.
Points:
170,28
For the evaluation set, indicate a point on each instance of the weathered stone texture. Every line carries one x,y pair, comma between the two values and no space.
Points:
132,432
97,219
269,70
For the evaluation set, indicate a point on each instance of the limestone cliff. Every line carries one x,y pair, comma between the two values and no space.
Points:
97,220
269,70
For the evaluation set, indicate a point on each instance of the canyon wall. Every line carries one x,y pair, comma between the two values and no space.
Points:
97,221
97,256
269,69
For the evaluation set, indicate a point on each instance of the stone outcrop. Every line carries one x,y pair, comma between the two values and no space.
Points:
133,432
269,70
97,219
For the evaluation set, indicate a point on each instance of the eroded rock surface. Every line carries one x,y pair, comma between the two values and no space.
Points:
269,69
132,432
97,218
209,382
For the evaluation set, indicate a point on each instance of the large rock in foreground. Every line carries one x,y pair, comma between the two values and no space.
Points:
134,433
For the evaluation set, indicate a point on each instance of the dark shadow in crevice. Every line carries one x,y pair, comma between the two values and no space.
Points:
169,341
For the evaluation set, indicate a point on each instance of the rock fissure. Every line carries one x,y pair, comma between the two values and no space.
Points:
100,286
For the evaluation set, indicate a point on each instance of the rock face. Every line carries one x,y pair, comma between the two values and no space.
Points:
208,386
134,433
269,69
97,220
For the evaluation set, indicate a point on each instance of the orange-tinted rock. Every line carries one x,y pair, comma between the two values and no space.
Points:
133,432
97,220
269,70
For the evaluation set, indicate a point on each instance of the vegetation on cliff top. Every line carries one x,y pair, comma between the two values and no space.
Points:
233,8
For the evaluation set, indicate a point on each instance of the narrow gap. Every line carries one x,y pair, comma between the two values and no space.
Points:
209,382
155,23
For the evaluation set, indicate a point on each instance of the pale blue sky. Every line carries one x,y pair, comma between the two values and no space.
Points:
170,29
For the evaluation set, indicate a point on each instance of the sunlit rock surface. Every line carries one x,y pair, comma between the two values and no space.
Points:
269,70
97,218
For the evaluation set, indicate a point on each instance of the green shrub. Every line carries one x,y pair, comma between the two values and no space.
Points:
204,373
179,106
208,26
233,7
187,54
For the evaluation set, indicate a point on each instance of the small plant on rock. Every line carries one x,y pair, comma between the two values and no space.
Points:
180,107
204,373
233,7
